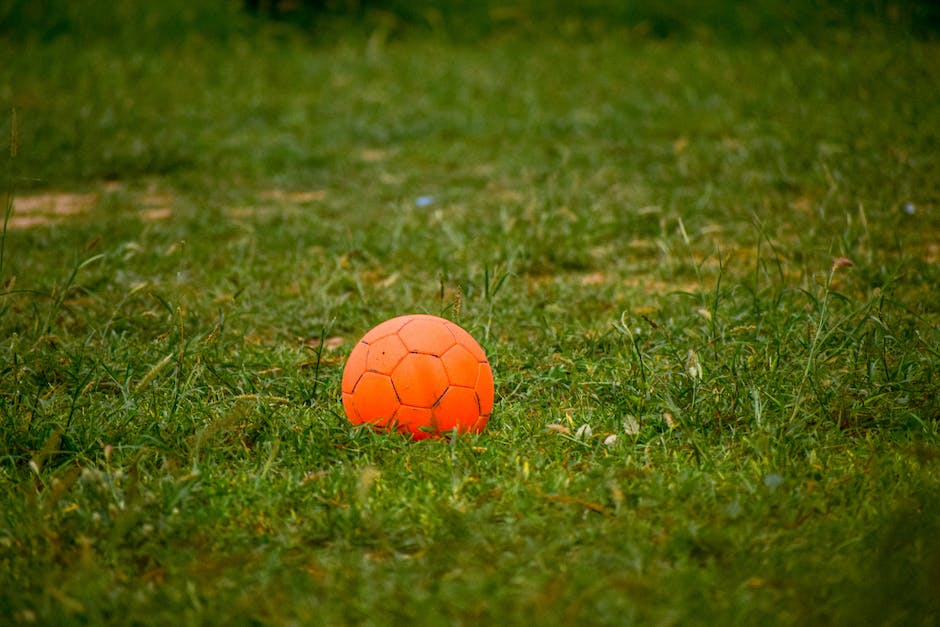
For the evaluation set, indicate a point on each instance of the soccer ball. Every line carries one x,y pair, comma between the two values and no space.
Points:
420,375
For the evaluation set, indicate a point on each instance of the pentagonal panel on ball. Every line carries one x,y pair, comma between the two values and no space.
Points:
484,388
411,419
426,334
374,399
457,408
385,353
355,366
420,380
350,408
466,340
479,425
461,366
384,328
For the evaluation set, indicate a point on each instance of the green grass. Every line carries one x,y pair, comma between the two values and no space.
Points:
640,228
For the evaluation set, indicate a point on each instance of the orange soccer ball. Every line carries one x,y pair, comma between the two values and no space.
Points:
421,375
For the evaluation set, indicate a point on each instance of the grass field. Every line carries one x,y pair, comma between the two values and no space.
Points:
703,261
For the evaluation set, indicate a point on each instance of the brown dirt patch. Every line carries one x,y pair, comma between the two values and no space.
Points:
280,195
49,208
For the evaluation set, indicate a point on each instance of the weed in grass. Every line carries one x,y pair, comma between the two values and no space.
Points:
8,205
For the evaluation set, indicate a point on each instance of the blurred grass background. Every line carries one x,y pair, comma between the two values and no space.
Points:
660,189
728,21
